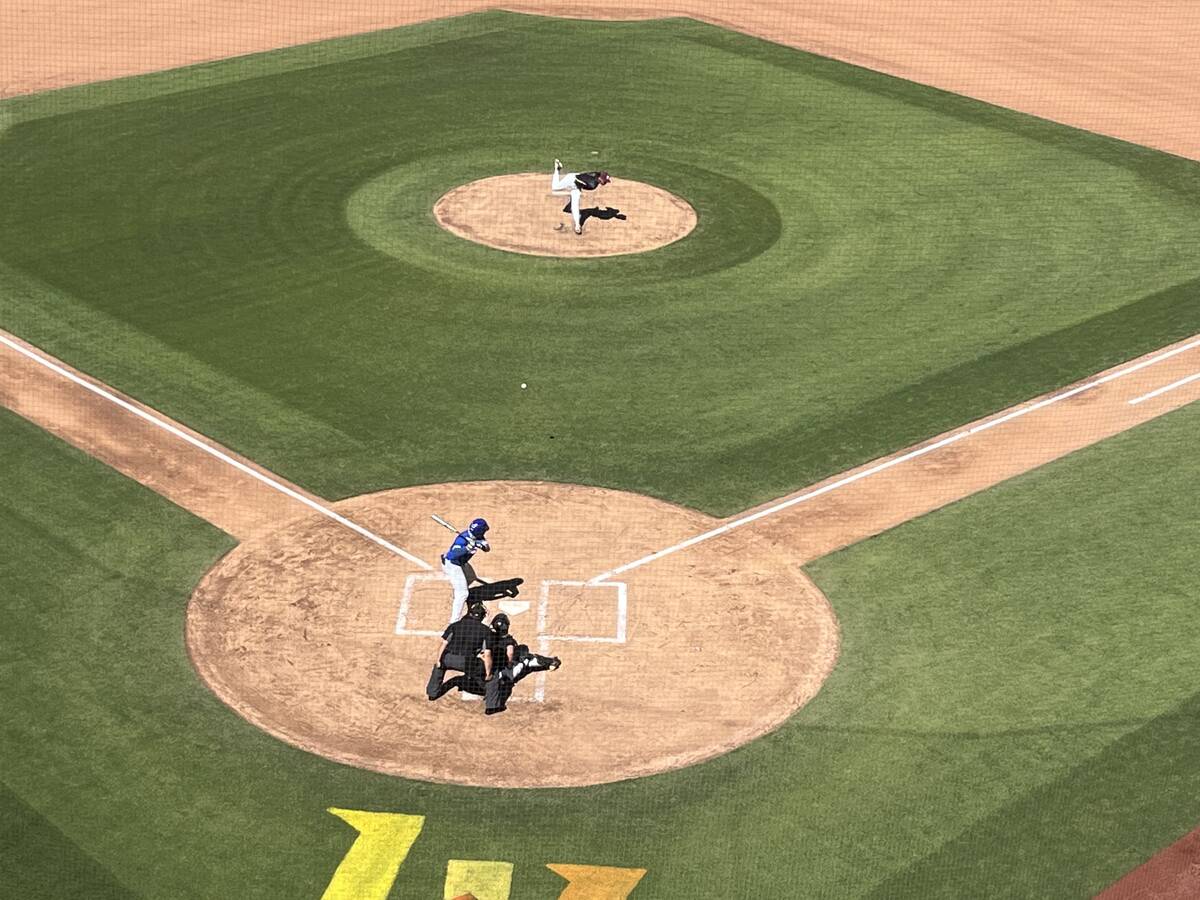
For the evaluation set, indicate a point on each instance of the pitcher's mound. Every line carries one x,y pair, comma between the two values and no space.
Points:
519,214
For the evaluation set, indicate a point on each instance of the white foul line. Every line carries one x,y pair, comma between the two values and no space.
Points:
539,692
913,454
212,451
1162,390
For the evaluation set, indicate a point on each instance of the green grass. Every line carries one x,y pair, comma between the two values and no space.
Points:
1013,709
875,262
39,861
1017,668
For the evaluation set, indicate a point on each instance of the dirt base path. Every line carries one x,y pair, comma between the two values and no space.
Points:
146,446
1172,874
855,505
1123,68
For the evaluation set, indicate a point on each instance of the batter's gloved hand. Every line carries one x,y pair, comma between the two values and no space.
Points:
482,545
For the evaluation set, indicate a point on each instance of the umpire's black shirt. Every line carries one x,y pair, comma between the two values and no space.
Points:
467,637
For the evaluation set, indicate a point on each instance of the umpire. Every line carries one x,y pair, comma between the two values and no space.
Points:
464,649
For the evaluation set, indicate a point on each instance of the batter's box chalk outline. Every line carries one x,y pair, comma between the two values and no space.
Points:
544,639
410,584
622,613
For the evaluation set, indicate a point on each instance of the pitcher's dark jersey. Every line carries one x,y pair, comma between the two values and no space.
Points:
587,181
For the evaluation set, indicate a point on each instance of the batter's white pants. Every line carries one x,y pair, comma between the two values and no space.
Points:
563,183
460,580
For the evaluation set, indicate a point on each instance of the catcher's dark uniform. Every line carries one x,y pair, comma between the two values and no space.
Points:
511,662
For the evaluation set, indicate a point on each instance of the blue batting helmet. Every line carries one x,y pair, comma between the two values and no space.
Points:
478,528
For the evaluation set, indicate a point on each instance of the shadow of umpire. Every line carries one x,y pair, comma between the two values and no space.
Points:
485,593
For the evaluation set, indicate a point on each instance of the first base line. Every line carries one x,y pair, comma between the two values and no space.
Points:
911,455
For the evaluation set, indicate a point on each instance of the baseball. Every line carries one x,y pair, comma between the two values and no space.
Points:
523,385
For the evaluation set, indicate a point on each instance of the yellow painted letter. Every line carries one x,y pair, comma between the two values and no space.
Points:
480,878
369,868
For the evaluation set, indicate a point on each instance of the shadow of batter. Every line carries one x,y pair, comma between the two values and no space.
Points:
494,590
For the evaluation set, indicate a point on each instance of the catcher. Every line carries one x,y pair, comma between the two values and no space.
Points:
509,663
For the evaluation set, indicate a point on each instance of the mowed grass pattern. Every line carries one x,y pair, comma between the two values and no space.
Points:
1012,710
875,261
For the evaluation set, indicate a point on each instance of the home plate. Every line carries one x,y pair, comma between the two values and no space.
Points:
514,607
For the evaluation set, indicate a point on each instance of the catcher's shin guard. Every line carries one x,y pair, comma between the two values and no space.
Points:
534,662
538,663
494,695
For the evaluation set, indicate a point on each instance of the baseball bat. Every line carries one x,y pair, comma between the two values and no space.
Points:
443,523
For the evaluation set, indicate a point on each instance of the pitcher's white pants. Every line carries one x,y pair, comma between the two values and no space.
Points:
460,580
563,183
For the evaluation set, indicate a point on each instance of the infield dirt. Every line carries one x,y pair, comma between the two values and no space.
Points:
297,632
1125,69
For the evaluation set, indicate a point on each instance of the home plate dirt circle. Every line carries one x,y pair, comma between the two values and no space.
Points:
325,639
519,214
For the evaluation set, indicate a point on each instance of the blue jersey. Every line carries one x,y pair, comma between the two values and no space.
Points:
463,548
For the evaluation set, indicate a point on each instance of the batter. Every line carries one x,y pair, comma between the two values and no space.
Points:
456,562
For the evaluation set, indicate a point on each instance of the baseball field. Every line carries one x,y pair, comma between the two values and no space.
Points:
847,454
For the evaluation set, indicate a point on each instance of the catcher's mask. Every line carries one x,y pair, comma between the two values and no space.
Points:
476,611
500,624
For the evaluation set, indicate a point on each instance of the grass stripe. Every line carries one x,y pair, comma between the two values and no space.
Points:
37,860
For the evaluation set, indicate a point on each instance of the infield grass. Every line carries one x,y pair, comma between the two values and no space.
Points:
875,262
